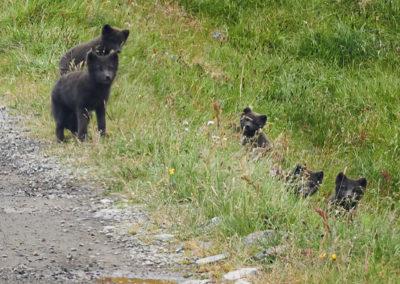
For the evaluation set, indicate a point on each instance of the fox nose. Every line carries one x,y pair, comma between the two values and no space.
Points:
108,77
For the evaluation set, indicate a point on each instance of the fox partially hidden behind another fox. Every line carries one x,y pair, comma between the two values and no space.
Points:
78,93
303,181
110,39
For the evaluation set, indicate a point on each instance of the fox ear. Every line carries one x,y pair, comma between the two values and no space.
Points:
339,179
363,182
297,170
320,176
262,119
125,33
247,110
106,29
91,56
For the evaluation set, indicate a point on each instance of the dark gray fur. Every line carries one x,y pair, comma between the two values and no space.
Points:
78,93
110,39
251,124
304,182
348,192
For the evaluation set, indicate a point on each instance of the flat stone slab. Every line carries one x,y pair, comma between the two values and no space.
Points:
164,237
241,273
242,281
211,259
195,281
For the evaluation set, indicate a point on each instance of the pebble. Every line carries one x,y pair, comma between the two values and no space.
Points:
180,249
105,201
218,35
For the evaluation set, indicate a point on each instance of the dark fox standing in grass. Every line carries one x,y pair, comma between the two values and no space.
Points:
78,93
110,39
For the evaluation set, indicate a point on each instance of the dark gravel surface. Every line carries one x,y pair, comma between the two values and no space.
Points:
56,230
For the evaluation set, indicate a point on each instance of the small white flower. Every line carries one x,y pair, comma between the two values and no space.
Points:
210,122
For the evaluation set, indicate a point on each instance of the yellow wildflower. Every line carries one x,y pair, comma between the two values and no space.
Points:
171,171
334,256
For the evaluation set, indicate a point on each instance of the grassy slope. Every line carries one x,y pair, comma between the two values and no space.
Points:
326,74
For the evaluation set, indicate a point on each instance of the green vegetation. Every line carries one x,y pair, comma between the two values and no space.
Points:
325,73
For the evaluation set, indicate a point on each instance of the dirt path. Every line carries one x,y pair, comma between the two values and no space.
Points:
54,230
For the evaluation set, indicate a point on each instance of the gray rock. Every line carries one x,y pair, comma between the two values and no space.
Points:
218,35
268,253
242,281
211,259
213,221
180,249
241,273
216,220
195,281
260,237
164,237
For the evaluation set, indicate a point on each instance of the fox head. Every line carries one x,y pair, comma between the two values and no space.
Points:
113,39
348,191
251,122
102,69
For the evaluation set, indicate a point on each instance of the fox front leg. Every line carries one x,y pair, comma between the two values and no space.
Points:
101,119
83,121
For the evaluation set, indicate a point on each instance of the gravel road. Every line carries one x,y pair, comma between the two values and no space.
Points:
56,230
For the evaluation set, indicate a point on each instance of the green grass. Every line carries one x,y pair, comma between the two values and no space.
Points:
325,73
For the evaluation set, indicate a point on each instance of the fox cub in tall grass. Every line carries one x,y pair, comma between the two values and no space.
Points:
78,93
